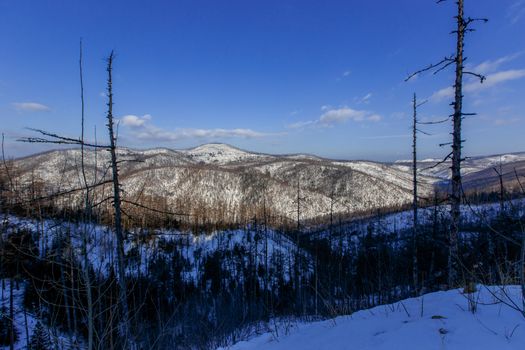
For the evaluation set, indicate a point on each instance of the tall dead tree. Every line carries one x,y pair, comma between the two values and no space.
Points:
458,60
297,269
87,214
70,304
415,130
455,197
117,206
500,174
127,339
414,200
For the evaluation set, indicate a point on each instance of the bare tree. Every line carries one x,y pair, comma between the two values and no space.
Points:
414,200
117,205
463,26
500,174
87,219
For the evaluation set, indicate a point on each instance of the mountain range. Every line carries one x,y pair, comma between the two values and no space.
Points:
229,184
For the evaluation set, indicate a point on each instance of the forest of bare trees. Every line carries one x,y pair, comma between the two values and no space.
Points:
100,267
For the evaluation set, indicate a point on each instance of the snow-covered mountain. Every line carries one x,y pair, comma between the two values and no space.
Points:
470,165
479,173
220,178
220,154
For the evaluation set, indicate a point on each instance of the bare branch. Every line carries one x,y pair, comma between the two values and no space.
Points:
63,193
470,20
444,67
423,132
481,77
435,121
440,162
57,139
421,103
446,60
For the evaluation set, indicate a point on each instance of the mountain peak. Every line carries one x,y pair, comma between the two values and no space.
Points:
219,153
215,147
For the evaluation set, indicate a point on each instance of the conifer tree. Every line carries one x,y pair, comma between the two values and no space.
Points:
40,339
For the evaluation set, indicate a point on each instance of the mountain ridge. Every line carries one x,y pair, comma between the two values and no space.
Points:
230,184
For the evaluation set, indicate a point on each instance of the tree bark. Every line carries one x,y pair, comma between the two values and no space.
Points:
414,201
455,198
87,217
119,234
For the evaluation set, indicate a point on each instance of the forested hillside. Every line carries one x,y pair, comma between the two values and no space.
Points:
262,175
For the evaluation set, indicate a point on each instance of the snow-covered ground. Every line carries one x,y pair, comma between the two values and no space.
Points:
438,320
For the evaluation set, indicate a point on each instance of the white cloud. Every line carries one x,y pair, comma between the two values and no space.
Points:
495,79
398,115
133,120
516,11
475,86
374,117
381,137
141,128
300,125
505,122
346,73
149,132
366,99
30,107
342,114
442,94
333,116
490,66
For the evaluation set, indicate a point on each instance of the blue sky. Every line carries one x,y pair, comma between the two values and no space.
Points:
323,77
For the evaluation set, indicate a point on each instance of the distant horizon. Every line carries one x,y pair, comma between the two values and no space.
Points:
69,147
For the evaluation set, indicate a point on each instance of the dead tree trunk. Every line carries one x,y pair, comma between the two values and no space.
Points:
455,197
119,234
463,26
414,200
522,270
297,238
269,310
87,217
501,188
11,316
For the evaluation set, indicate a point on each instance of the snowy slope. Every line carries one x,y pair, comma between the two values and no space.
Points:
438,320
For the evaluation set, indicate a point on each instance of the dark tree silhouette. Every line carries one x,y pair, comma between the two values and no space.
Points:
458,60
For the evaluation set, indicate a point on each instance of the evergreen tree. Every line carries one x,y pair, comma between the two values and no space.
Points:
40,339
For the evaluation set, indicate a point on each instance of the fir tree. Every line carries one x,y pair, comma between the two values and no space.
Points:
40,339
